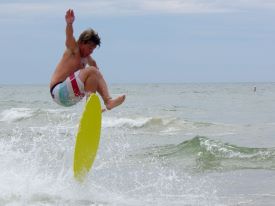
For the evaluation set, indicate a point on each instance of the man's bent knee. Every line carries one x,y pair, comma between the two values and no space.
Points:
94,71
88,72
92,67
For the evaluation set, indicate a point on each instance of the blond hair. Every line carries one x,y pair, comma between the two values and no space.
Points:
89,36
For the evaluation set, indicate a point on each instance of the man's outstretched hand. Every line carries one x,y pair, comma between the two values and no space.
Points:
69,16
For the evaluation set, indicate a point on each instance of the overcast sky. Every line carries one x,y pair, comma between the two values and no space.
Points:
143,41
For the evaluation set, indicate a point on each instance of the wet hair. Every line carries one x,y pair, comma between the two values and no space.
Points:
89,36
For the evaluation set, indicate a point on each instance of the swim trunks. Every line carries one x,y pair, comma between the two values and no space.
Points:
69,92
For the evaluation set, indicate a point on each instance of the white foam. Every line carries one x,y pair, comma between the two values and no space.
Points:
15,114
125,122
139,122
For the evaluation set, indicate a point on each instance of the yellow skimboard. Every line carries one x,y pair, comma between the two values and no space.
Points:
87,139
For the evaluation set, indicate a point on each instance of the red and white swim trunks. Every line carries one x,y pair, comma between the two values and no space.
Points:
69,92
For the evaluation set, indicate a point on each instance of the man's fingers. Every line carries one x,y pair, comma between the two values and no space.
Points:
70,12
70,15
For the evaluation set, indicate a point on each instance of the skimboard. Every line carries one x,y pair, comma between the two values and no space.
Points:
87,138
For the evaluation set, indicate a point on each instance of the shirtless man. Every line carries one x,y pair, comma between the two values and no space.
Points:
72,80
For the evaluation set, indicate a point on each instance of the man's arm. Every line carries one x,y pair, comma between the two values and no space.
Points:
92,62
70,40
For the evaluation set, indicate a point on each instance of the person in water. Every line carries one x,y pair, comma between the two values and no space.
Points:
77,73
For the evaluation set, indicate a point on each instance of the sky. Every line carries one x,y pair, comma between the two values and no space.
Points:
143,41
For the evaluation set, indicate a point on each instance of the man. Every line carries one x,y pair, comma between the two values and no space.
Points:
72,80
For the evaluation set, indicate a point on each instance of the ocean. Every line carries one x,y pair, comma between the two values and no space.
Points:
167,145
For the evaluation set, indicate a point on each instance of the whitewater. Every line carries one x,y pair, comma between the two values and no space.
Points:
168,144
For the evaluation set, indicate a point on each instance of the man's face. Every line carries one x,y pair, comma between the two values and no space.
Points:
86,49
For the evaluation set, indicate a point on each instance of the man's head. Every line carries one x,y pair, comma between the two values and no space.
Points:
88,41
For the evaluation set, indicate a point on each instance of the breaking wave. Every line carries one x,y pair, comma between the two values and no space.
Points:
16,114
202,153
20,114
140,122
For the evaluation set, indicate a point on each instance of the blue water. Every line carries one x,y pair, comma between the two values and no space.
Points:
168,144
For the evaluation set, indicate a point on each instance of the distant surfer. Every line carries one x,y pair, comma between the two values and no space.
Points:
77,73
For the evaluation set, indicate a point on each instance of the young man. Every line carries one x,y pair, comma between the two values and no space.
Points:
71,79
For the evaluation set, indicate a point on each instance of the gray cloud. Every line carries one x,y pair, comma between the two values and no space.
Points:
130,7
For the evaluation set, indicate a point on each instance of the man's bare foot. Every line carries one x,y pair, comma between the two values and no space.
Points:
112,103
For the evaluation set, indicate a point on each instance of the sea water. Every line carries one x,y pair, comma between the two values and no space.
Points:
168,144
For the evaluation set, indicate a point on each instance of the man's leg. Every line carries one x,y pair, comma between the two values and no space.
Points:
94,82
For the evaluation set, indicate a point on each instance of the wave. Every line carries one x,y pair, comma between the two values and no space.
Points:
20,113
164,125
139,122
15,114
202,153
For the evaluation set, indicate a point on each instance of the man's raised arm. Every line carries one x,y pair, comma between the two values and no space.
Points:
70,40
